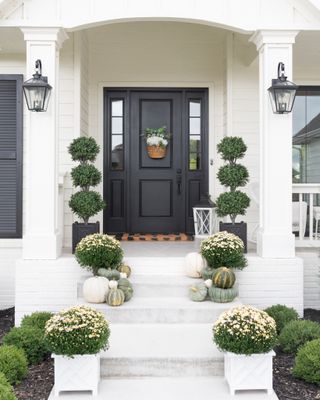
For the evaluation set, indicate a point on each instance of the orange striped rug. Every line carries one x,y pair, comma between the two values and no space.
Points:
149,237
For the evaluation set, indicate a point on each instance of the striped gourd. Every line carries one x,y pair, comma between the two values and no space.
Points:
222,295
115,297
124,268
223,278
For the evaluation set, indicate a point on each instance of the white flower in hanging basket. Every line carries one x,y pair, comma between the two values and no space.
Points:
157,141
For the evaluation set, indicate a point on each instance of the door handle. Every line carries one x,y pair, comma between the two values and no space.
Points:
179,180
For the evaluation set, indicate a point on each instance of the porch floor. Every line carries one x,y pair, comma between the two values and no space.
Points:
214,387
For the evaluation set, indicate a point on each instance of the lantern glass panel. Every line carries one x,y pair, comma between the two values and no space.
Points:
284,99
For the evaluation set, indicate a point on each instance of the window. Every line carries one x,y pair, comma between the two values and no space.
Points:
306,136
117,123
194,135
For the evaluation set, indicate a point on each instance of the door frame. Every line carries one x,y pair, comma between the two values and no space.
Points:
210,137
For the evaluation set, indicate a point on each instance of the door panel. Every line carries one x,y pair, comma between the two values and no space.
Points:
154,195
157,206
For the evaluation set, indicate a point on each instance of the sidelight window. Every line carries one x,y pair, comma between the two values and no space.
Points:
194,118
117,130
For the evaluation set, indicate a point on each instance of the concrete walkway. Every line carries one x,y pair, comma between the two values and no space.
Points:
213,388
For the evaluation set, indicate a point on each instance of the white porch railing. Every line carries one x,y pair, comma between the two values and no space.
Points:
304,211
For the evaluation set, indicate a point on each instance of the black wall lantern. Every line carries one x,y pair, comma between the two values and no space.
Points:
282,92
37,90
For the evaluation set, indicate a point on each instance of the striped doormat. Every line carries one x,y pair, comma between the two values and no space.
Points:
149,237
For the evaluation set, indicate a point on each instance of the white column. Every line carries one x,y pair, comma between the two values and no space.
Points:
275,238
41,239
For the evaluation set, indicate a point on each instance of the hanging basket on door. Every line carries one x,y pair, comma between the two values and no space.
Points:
157,151
157,140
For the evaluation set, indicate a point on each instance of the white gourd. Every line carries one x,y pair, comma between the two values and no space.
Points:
208,283
95,289
194,263
113,284
123,275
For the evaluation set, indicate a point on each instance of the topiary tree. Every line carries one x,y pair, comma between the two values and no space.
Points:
85,203
232,175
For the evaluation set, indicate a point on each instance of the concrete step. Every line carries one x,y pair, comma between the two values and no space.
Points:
156,265
140,350
163,310
190,388
164,285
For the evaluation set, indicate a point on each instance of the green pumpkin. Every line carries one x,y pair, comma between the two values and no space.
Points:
223,278
125,268
125,285
198,292
207,273
115,297
111,274
222,295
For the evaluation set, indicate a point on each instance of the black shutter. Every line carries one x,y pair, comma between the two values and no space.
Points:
11,156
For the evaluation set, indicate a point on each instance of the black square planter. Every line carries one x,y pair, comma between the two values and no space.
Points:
81,230
239,229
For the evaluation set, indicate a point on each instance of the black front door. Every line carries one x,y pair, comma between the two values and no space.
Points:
143,194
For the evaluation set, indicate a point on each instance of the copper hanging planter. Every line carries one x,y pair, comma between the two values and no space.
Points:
157,152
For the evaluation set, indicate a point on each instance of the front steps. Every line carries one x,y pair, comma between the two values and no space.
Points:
160,332
214,387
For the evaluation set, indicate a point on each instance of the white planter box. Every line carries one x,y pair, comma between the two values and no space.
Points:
80,373
252,372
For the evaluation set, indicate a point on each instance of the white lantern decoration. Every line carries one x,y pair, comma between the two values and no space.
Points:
204,217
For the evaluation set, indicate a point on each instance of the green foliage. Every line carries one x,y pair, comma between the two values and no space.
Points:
99,251
86,204
6,390
232,204
158,132
282,315
13,363
29,339
232,148
84,149
296,333
233,175
85,175
223,249
36,320
307,362
245,330
77,330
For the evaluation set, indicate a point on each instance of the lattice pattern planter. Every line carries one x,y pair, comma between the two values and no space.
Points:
80,373
252,372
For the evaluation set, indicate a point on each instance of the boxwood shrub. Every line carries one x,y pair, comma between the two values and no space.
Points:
307,362
13,363
6,390
31,340
296,333
282,315
36,320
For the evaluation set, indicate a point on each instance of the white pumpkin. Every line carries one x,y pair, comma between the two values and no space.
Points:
95,289
208,283
194,263
113,284
123,275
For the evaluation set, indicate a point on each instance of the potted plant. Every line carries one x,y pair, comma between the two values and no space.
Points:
233,175
102,255
247,336
75,337
157,140
223,249
86,203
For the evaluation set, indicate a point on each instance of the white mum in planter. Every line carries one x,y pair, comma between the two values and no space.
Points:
75,337
247,336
